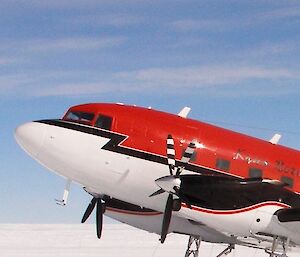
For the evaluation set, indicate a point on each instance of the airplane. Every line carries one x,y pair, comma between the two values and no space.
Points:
166,173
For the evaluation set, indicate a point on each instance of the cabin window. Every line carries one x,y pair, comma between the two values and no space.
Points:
288,181
222,164
104,122
80,116
255,173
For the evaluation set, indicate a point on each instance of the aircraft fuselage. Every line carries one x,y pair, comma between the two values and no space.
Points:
120,151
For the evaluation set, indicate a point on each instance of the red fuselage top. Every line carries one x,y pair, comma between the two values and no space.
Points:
219,150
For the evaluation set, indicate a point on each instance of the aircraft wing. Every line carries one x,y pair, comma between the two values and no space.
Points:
228,193
211,195
151,221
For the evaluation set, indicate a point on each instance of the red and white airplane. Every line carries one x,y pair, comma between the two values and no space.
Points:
166,173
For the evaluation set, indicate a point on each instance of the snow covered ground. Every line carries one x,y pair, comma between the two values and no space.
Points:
118,240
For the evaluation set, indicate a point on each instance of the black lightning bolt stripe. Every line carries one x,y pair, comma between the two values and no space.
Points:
114,145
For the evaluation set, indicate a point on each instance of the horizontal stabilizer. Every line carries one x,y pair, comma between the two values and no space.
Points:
288,215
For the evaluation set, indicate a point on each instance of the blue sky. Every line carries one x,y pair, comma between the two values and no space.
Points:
236,63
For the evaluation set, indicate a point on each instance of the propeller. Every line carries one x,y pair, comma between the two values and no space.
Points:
171,184
99,214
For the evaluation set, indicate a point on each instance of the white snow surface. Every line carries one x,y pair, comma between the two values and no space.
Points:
40,240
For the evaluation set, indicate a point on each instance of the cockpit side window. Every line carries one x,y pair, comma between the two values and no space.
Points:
77,116
104,122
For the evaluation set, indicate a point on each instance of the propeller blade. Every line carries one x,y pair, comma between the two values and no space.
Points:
158,192
167,218
99,217
187,155
189,151
171,153
89,210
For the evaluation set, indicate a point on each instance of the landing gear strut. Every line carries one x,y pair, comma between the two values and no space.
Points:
274,251
193,246
228,250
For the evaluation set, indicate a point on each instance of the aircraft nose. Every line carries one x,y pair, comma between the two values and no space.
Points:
30,136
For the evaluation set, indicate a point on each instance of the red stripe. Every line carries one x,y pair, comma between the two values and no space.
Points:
133,212
250,208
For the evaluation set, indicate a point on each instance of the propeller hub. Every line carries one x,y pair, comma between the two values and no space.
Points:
168,184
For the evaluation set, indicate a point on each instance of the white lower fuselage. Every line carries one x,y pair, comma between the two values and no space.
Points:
79,157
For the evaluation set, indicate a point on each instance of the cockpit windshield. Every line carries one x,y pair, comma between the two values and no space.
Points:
85,117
